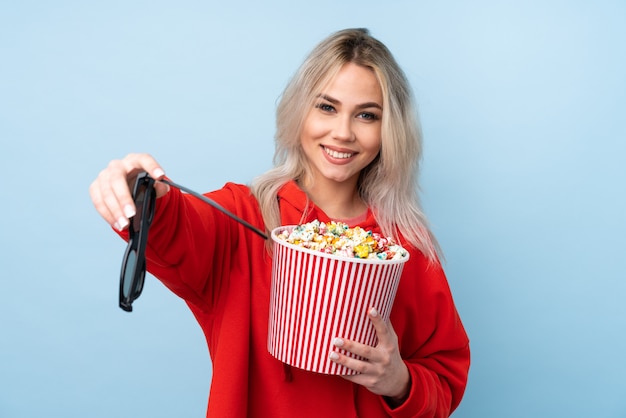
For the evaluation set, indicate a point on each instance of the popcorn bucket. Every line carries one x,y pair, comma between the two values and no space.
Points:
316,297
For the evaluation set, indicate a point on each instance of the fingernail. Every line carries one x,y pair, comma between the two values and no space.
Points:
129,211
121,223
158,173
373,312
338,342
333,356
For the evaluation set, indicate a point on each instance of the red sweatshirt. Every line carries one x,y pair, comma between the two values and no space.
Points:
223,272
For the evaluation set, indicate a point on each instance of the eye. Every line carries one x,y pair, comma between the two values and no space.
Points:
368,116
325,107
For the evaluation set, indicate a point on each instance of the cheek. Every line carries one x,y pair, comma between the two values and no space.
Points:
371,139
313,128
377,143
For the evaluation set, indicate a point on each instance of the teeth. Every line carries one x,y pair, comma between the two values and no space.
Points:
336,154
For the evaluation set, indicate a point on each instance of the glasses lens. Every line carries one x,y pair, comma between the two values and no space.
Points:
140,196
129,273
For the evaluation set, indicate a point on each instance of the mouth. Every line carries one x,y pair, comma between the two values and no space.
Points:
337,154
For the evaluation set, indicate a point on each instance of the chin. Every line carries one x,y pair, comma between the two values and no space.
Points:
339,178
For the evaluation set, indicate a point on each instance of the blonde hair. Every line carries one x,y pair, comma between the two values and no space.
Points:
389,185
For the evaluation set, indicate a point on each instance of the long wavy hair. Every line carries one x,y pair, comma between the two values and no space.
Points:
389,184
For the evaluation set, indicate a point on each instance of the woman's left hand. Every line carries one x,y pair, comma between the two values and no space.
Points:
383,372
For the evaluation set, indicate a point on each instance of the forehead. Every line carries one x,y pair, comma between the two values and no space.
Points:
354,82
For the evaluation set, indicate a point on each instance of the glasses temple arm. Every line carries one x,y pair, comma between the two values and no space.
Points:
216,206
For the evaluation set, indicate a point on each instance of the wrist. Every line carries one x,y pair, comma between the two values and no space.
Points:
403,394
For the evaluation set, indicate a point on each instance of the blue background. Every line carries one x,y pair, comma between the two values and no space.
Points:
523,109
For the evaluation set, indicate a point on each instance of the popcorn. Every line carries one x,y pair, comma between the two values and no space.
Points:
339,239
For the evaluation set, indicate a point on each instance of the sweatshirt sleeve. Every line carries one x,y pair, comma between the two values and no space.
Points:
434,345
190,244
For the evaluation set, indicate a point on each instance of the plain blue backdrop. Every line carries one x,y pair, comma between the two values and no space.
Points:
523,107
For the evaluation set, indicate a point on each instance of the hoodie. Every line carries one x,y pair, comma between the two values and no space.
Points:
223,272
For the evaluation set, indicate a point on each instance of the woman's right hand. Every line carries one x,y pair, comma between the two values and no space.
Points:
111,191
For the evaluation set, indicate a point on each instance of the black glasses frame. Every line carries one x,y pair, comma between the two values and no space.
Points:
133,272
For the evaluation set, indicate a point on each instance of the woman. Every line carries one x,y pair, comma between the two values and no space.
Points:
347,149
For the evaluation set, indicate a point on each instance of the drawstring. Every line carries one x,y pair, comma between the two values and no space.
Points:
287,372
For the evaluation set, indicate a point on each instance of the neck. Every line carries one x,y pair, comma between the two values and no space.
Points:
337,200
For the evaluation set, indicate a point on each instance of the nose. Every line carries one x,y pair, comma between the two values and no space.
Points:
342,129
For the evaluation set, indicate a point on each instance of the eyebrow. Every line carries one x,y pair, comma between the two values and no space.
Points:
359,106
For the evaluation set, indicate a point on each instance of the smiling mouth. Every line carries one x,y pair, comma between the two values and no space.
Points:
337,154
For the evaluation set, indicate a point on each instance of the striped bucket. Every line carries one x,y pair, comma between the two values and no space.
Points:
316,297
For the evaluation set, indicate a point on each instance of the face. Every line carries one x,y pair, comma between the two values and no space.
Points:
341,134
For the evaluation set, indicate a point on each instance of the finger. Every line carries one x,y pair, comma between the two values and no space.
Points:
112,196
106,204
119,194
383,331
98,201
136,163
357,364
358,349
